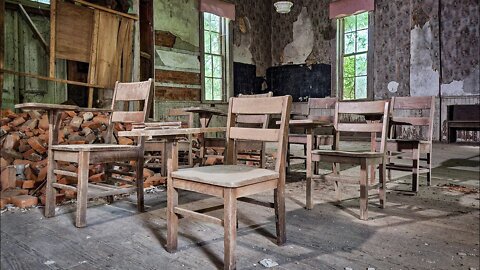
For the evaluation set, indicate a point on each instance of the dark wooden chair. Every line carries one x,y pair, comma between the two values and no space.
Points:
410,137
230,181
318,108
344,111
86,154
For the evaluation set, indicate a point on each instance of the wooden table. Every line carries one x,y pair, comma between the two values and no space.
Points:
205,114
170,136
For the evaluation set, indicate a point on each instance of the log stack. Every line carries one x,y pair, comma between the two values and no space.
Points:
24,147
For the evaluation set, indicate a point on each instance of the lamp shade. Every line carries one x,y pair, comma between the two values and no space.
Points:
283,6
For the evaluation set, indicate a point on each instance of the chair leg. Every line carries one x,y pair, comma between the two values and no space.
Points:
415,169
139,181
382,192
363,190
172,218
230,227
279,197
50,190
336,184
288,158
82,189
309,188
429,167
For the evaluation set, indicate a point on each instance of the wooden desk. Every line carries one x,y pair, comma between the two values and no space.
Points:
170,135
205,114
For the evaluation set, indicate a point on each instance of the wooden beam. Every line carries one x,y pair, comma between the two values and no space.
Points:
50,79
131,16
92,70
53,17
34,28
2,47
136,44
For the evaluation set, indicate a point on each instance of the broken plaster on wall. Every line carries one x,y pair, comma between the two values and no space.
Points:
393,86
300,48
241,53
424,79
468,86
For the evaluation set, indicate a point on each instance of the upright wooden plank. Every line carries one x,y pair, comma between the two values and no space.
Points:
53,30
92,71
107,48
127,54
2,47
136,44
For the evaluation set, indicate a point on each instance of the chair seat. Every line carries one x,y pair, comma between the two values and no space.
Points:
94,147
226,175
347,153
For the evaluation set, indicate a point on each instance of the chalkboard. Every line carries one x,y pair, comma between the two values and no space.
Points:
300,81
245,80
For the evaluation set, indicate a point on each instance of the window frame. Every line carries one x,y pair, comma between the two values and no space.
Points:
340,47
226,56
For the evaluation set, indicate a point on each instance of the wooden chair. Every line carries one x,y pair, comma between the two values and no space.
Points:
410,138
253,151
318,108
154,147
344,111
86,154
230,181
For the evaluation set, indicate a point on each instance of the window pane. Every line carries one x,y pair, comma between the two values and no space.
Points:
206,37
208,66
350,43
362,41
217,89
362,21
216,45
206,21
360,65
361,87
217,66
349,23
208,89
348,88
349,66
215,23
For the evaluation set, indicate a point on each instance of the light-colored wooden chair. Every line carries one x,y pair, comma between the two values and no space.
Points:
253,151
230,181
377,114
155,147
318,108
86,154
410,137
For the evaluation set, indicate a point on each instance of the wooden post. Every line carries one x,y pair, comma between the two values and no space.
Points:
53,17
92,70
2,46
136,44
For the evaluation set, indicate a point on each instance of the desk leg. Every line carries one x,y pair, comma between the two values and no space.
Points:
53,123
309,173
373,146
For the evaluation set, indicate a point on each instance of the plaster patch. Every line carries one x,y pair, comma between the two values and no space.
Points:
300,48
178,60
454,88
423,78
177,17
393,86
242,52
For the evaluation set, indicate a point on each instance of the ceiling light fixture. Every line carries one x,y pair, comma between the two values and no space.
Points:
283,6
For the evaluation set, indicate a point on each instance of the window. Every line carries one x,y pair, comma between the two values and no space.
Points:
353,57
215,60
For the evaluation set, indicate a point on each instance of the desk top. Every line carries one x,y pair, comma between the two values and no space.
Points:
170,131
46,106
205,110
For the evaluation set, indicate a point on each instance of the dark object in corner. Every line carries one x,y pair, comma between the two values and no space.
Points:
245,80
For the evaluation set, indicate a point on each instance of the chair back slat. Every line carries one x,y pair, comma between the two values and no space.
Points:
263,106
260,105
360,127
414,121
128,117
322,103
412,103
132,91
254,134
361,107
254,119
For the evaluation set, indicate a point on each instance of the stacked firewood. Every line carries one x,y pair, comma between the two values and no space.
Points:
24,148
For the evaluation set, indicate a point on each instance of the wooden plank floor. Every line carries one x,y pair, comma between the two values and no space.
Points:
427,231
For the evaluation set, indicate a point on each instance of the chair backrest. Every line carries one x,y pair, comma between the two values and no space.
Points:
376,118
412,111
180,115
255,119
124,93
259,106
322,108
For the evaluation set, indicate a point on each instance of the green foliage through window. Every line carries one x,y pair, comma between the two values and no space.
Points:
213,57
354,56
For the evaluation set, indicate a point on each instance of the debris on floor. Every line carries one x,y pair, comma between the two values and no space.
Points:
459,188
268,263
